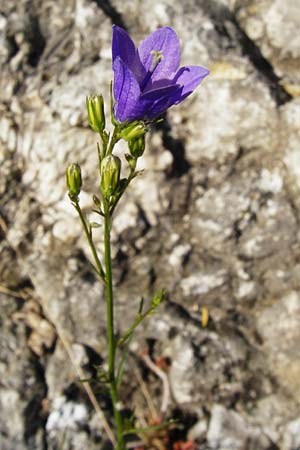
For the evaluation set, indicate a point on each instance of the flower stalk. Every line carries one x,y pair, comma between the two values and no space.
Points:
88,234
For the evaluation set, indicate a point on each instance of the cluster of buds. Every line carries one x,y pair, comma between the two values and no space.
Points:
134,133
110,165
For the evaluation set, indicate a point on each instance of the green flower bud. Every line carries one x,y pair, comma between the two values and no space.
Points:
158,298
110,174
137,146
97,201
131,161
133,130
74,181
95,110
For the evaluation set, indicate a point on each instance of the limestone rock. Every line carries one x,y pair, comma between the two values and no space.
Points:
214,219
229,430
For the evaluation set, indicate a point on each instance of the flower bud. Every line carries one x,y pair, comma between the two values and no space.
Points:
110,174
158,298
131,161
132,131
137,146
97,201
95,110
74,181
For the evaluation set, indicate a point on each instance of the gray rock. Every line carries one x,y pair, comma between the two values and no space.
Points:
60,376
181,374
261,22
66,415
66,425
282,354
228,430
23,388
214,220
291,436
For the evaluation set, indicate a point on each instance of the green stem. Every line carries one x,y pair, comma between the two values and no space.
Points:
129,179
110,329
99,268
135,324
113,140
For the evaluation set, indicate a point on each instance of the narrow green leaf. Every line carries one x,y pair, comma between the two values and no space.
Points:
121,367
150,428
141,306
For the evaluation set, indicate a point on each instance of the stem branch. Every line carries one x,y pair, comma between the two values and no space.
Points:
113,140
99,267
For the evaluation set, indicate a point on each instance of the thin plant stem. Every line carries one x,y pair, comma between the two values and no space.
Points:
113,140
87,232
135,324
129,179
110,329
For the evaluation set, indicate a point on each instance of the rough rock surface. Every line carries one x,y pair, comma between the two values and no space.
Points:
214,220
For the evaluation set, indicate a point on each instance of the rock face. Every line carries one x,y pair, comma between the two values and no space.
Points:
273,27
214,219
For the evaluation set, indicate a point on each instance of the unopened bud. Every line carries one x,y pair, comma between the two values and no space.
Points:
74,181
95,110
133,130
137,146
131,161
97,201
110,174
158,298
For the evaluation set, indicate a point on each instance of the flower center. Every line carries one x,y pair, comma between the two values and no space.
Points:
157,56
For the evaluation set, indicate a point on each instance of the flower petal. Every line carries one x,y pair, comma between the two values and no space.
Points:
189,77
124,48
156,94
164,40
163,103
122,45
126,92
